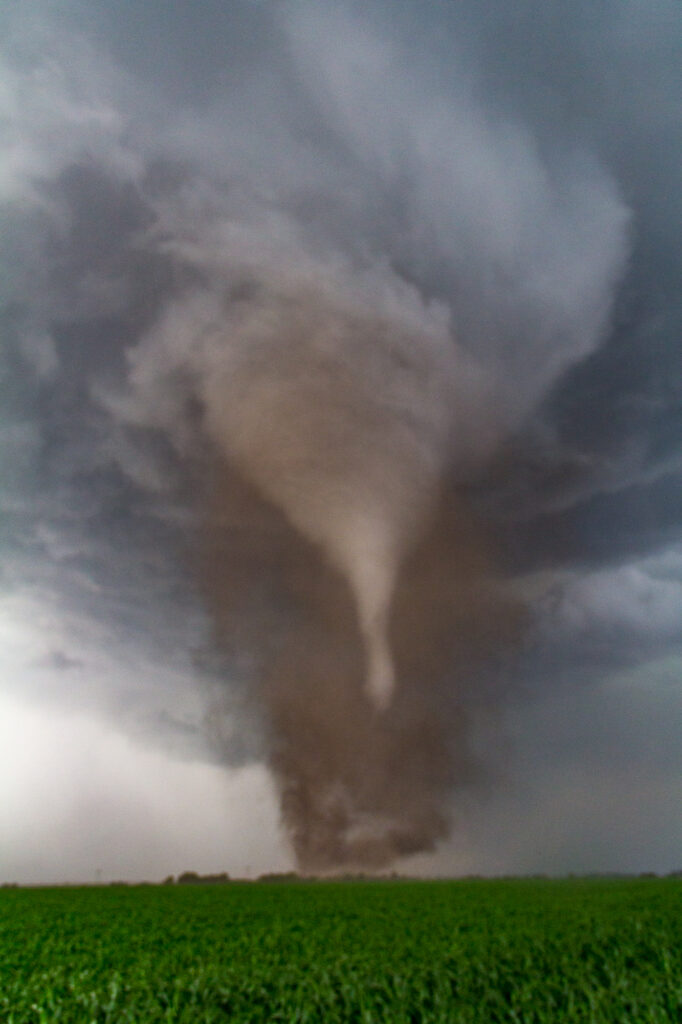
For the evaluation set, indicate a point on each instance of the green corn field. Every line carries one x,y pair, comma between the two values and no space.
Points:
394,951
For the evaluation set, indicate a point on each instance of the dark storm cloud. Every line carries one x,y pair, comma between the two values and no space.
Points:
500,182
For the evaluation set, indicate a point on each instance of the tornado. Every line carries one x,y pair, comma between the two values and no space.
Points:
340,563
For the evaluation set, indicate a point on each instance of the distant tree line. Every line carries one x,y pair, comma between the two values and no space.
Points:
192,878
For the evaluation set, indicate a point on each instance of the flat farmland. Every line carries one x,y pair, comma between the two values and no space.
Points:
393,951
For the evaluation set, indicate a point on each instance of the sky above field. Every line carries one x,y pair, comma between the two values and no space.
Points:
499,183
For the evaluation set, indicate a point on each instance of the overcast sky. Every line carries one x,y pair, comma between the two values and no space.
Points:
503,175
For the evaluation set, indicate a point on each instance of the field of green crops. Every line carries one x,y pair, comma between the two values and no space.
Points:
393,952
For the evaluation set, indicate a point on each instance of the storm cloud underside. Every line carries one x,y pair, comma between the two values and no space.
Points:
341,377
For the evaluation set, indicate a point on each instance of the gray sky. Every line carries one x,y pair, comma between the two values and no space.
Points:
506,176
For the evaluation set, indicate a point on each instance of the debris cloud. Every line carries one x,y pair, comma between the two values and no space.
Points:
359,789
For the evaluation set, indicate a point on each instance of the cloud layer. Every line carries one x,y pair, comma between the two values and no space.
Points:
415,279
